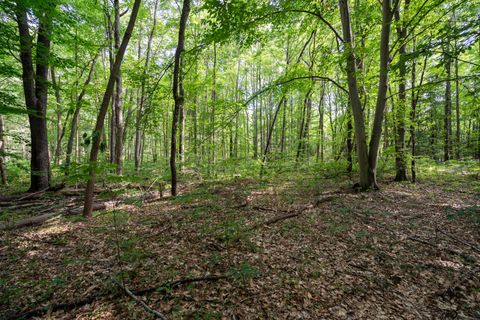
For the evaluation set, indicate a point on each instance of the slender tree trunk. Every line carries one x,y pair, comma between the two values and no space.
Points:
270,132
118,105
140,111
178,94
214,101
321,130
96,135
3,170
35,85
349,140
447,127
58,109
73,126
457,113
359,126
400,148
374,146
284,124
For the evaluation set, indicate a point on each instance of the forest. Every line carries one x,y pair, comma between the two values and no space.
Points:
239,159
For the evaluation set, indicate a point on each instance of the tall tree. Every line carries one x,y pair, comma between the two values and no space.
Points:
35,87
178,93
367,157
96,135
3,170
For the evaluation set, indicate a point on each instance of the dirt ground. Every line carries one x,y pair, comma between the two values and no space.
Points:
296,248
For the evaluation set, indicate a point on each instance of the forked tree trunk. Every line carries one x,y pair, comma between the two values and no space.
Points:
96,135
374,146
177,89
367,157
35,87
356,105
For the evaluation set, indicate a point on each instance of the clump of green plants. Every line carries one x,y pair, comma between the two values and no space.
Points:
243,271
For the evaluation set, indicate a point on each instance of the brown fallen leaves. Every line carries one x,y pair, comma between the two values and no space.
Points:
288,252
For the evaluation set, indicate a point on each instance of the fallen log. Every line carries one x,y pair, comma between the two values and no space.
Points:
51,215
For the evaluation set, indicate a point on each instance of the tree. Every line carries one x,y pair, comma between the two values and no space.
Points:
367,157
178,92
35,87
96,135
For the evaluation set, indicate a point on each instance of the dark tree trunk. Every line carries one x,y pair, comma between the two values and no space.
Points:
35,86
178,94
96,135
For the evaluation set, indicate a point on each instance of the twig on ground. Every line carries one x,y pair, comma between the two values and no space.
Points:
476,249
140,301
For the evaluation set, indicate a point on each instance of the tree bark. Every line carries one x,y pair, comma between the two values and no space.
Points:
382,92
178,94
96,135
118,105
400,148
447,124
367,157
3,171
73,126
35,86
58,109
356,105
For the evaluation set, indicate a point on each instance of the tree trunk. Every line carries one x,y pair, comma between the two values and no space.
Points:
35,86
359,126
374,147
118,105
3,171
457,112
96,135
58,109
178,94
270,132
367,158
400,154
140,111
73,126
447,124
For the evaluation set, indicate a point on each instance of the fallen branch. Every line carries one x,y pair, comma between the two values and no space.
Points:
47,216
113,295
289,213
140,301
474,248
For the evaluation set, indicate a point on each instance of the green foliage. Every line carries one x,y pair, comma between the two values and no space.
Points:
243,271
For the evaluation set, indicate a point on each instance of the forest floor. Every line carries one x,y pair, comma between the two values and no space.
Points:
295,246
